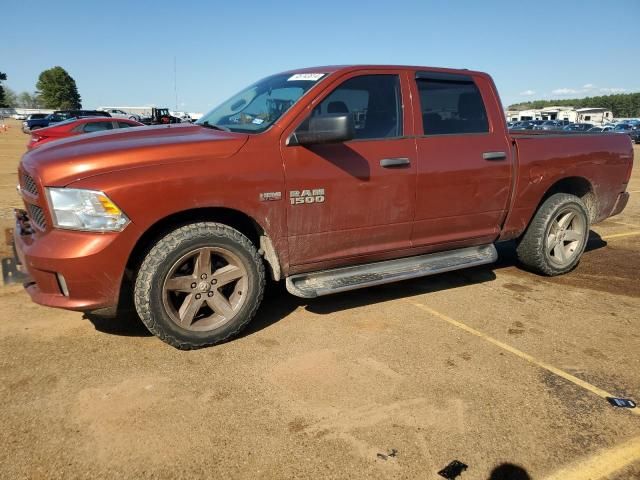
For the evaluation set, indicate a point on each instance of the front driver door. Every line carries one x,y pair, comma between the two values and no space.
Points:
353,198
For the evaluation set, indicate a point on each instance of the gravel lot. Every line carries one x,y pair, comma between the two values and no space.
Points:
495,367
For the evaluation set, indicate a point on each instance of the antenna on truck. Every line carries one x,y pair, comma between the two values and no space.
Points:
175,81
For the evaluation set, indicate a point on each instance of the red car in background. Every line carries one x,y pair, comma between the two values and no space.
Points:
78,126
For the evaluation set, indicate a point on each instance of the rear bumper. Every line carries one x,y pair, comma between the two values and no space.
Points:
73,270
621,203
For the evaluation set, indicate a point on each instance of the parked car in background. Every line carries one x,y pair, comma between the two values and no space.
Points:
19,116
600,129
183,116
623,128
578,127
59,116
78,126
549,125
36,116
635,135
524,125
116,113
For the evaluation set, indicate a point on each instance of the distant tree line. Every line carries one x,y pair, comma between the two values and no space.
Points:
55,89
622,104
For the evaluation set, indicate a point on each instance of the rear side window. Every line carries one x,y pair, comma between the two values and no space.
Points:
97,126
373,100
451,107
125,125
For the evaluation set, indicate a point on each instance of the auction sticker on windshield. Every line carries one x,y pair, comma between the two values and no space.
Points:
311,77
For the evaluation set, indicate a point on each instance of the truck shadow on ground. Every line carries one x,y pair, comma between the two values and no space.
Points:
278,303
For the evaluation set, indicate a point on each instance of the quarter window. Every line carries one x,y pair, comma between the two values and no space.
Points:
451,107
373,100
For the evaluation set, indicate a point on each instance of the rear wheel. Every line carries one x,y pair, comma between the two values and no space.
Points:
557,235
199,285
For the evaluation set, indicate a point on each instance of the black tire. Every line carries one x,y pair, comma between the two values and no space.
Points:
149,291
533,248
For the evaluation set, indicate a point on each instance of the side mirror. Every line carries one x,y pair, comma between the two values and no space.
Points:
330,128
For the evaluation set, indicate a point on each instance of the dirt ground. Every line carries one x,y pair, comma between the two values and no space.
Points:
498,368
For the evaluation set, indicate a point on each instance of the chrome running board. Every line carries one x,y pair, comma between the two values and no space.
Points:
324,282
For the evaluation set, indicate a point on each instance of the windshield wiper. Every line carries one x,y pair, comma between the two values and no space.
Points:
215,127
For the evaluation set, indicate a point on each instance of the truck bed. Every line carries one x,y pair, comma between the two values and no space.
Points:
601,161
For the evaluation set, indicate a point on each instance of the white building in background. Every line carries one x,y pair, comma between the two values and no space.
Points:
594,115
576,115
141,111
558,113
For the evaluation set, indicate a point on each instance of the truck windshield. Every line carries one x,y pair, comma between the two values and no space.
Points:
257,107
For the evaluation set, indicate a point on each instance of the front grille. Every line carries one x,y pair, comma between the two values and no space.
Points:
29,184
36,215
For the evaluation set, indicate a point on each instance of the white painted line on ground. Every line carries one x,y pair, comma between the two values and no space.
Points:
602,464
519,353
625,224
620,235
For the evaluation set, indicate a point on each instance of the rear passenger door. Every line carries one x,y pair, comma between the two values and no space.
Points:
464,160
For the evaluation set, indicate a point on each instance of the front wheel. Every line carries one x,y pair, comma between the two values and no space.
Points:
556,237
199,285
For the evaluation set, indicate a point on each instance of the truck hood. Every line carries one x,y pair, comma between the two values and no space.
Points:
62,162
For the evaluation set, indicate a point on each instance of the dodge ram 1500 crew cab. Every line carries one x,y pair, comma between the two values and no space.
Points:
330,178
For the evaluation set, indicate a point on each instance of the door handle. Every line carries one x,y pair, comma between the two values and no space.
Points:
394,162
494,155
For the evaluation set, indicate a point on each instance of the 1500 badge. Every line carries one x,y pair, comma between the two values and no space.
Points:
300,197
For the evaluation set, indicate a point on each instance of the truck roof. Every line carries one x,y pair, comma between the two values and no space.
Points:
349,68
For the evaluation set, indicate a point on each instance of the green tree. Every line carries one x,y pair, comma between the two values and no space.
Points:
57,89
28,100
622,105
3,100
10,98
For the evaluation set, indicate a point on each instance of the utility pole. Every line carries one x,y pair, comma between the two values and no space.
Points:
175,81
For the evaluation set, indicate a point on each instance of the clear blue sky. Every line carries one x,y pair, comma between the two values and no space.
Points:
122,52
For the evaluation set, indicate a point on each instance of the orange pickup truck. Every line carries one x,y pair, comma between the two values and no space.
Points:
329,178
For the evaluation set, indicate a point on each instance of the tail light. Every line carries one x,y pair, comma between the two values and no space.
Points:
34,140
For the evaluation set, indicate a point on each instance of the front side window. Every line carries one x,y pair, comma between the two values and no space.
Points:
97,126
451,107
256,108
373,100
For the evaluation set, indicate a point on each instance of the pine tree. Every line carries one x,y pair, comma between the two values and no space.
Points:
3,100
57,89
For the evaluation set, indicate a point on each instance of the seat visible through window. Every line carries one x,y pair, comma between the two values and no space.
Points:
451,107
373,100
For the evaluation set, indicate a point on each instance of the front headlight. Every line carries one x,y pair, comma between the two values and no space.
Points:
90,210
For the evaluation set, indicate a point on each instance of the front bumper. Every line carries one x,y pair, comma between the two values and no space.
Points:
91,265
